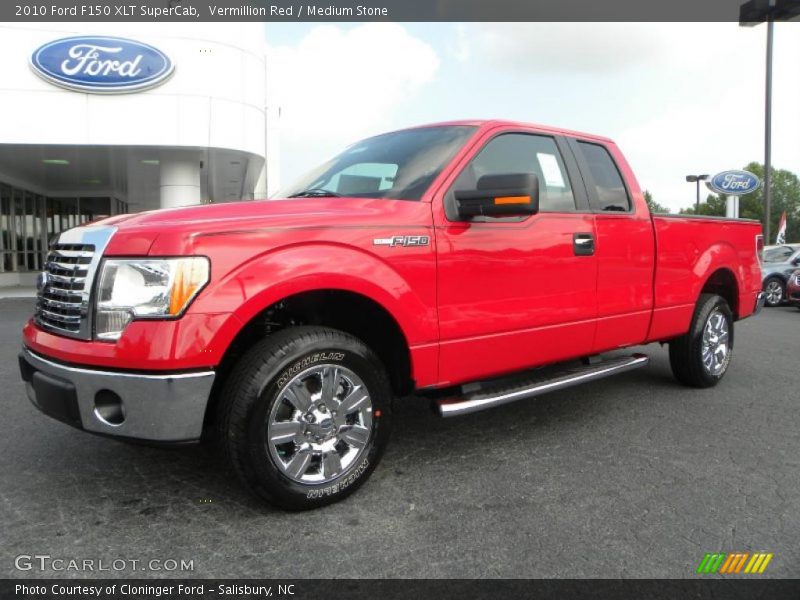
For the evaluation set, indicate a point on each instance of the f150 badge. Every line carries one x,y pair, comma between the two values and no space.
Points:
403,240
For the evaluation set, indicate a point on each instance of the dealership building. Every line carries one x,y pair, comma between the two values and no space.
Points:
105,118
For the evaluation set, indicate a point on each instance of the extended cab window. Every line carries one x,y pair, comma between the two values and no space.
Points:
611,192
399,165
521,153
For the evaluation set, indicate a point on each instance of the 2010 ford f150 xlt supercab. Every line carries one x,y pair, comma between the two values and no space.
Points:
476,263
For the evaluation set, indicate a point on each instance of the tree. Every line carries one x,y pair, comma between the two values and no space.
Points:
785,197
654,206
712,206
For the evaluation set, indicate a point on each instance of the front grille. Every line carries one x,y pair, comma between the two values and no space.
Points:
61,302
65,290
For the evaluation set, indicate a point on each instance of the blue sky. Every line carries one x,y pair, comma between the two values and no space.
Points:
678,98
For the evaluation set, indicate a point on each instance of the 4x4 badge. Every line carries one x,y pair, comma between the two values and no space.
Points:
403,240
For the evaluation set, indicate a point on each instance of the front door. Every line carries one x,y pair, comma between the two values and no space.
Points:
515,292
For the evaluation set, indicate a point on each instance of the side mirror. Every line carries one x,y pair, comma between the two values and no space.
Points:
796,262
507,195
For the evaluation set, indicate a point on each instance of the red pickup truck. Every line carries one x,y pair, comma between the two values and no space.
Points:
476,263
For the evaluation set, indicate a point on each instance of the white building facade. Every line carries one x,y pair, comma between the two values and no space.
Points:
68,156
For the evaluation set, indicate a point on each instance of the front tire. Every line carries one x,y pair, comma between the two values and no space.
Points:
702,356
305,416
774,291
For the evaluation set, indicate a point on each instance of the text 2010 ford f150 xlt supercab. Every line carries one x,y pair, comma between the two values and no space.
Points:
450,260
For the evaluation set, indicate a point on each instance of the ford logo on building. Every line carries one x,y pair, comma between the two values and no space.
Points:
734,183
101,64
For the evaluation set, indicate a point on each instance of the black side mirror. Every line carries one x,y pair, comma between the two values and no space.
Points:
796,262
507,195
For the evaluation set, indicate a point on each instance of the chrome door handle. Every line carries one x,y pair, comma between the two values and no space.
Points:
583,244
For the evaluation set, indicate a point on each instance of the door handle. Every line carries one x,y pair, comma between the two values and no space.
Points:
583,244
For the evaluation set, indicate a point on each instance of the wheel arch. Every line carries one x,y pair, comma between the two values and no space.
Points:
352,312
723,282
776,275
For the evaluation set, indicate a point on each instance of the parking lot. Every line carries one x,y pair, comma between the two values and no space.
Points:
633,476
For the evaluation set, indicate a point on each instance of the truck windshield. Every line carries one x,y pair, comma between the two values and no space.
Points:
400,165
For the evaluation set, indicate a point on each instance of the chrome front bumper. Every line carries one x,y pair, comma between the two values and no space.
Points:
160,408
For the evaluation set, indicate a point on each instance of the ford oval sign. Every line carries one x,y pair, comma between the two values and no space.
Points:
101,64
734,183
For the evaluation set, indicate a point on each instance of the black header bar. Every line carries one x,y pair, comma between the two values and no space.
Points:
391,589
374,10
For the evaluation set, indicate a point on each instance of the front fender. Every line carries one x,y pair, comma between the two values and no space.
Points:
406,289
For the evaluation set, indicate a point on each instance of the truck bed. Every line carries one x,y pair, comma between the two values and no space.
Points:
690,250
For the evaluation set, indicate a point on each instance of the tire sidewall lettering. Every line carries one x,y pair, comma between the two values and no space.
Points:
305,362
344,482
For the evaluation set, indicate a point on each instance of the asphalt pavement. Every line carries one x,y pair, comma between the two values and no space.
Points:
634,476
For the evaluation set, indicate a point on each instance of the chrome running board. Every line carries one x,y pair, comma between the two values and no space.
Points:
491,394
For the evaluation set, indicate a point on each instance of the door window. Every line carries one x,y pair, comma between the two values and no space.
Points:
611,193
520,153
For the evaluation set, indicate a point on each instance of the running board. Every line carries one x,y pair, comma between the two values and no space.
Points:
490,395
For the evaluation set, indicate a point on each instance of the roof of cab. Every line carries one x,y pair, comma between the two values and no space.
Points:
492,123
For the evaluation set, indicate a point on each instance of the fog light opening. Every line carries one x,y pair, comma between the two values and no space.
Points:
108,408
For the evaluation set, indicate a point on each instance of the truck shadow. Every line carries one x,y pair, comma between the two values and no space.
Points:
148,484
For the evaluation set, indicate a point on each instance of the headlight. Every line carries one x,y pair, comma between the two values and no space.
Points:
145,289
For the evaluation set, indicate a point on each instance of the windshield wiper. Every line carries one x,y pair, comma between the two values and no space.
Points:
316,193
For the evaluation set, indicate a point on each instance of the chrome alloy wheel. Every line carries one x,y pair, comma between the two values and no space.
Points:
716,349
320,424
774,292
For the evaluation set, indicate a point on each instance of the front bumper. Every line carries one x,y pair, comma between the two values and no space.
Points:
166,407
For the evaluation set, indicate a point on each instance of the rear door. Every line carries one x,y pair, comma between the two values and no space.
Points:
625,245
515,292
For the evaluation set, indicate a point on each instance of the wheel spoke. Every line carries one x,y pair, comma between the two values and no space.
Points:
353,401
299,463
331,464
713,323
299,397
286,431
330,383
721,325
355,435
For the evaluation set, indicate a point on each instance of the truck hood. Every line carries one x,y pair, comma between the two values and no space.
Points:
139,230
307,211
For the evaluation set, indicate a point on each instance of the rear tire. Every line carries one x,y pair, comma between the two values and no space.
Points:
702,356
305,416
774,290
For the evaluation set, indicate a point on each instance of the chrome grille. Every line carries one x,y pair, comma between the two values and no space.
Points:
60,304
63,302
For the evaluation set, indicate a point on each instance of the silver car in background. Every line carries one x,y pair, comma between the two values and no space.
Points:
778,264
